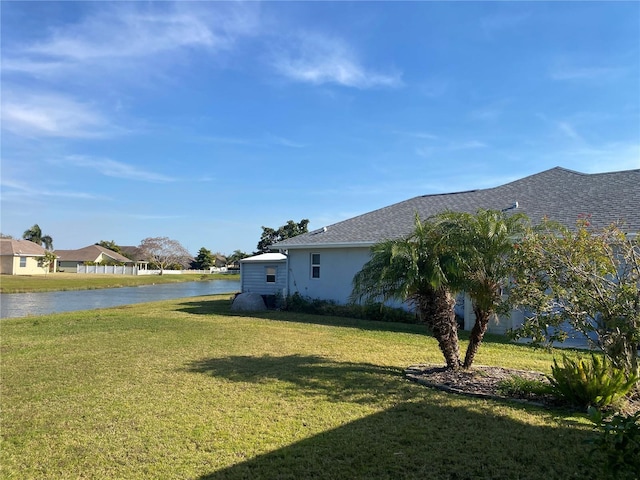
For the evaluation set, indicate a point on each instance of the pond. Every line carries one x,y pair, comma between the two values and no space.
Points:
14,305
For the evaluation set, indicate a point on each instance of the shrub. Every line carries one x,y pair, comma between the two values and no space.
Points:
590,383
369,311
618,440
520,387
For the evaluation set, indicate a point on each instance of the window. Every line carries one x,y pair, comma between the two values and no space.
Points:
271,274
23,262
315,265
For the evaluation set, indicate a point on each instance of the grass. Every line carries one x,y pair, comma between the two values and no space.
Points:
184,389
73,281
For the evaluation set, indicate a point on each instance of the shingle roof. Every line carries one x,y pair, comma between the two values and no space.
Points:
559,194
11,246
89,254
133,252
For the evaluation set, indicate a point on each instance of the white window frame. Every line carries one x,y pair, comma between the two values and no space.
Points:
314,272
271,272
23,262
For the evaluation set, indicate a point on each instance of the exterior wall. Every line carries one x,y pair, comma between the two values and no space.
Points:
68,266
497,324
337,268
10,265
253,277
6,265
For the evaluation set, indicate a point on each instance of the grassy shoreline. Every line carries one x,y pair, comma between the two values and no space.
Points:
187,389
71,281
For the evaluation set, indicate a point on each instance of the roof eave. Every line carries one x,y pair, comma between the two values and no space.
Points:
302,246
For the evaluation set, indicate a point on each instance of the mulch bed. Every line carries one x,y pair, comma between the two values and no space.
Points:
483,381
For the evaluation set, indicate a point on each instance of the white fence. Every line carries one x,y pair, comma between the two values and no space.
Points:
108,269
128,270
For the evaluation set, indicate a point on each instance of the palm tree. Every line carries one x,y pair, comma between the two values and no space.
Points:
34,234
410,269
480,246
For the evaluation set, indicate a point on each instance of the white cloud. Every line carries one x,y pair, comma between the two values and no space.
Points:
129,34
11,188
585,73
284,142
113,168
317,60
569,130
52,115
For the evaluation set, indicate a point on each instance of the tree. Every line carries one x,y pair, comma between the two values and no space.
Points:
410,269
164,252
34,234
448,253
236,256
587,278
48,260
480,247
289,230
110,244
204,260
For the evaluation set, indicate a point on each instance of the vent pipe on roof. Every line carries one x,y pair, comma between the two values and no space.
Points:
512,207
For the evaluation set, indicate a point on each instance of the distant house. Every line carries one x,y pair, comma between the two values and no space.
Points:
265,274
136,255
220,261
322,263
69,260
22,257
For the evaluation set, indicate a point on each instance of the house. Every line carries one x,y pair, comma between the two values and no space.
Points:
322,263
265,274
23,257
69,260
137,255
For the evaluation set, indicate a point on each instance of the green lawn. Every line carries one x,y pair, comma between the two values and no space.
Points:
73,281
184,389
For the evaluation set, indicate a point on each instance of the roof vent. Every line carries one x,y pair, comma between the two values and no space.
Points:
512,207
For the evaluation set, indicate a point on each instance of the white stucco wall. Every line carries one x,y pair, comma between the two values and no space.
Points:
337,268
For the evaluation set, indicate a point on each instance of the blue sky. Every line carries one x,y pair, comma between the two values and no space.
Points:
204,121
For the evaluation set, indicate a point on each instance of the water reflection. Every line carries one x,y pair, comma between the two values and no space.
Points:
41,303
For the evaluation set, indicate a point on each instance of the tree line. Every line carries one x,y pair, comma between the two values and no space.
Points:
165,253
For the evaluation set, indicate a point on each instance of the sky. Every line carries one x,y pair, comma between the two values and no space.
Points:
204,121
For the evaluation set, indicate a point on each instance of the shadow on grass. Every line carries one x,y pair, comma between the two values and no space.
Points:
424,435
427,440
311,375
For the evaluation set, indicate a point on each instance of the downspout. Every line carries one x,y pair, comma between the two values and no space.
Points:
286,288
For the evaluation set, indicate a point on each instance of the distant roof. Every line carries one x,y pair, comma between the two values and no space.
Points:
11,246
89,254
559,194
265,257
133,252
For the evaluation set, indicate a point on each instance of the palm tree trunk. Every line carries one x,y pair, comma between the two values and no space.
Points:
477,334
437,311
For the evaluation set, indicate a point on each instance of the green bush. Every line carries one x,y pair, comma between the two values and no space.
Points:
520,387
370,311
587,383
618,440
